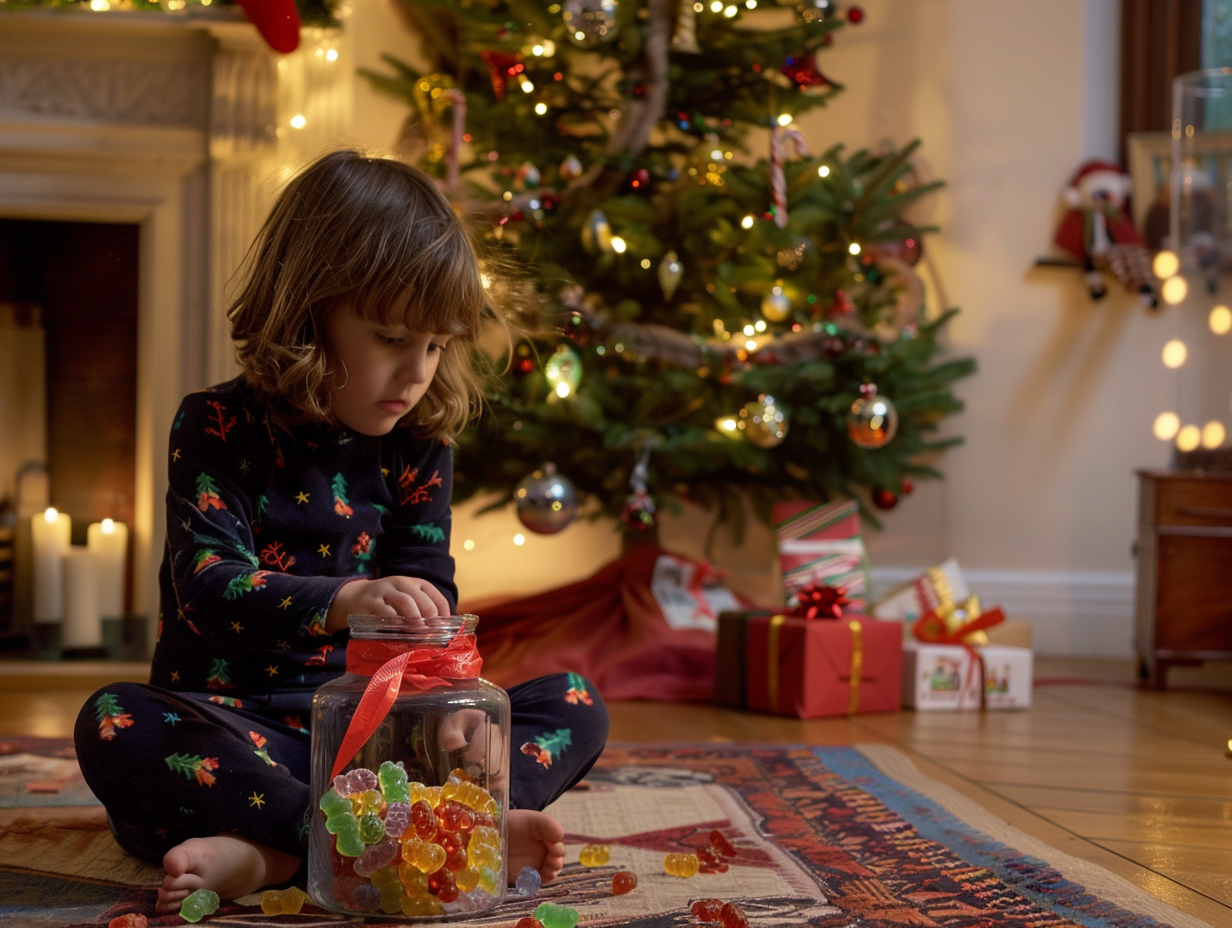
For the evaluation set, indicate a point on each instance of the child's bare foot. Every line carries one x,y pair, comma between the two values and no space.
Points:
229,865
535,840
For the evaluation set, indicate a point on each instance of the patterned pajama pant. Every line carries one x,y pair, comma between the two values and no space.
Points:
171,765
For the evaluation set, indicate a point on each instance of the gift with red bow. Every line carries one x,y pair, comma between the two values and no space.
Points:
813,661
820,543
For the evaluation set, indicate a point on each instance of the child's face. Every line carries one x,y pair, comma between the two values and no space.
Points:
383,371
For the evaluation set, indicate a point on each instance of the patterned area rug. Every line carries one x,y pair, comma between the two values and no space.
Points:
824,837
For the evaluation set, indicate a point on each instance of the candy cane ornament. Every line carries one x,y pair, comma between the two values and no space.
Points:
778,180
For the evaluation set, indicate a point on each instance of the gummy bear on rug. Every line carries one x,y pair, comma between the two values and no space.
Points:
641,627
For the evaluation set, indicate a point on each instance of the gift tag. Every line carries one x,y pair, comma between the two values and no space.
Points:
689,594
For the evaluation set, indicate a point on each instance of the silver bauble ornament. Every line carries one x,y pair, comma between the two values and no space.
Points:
589,22
764,425
546,501
670,273
570,168
872,420
775,306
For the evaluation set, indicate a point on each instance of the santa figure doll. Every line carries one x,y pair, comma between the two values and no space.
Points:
1098,231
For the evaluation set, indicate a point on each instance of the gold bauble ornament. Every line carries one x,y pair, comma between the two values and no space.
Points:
775,306
872,420
764,424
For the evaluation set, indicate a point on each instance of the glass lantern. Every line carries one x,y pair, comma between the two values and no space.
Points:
410,775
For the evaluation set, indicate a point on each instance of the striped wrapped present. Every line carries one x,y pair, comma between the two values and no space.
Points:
820,543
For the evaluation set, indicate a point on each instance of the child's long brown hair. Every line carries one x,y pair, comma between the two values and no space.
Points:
378,236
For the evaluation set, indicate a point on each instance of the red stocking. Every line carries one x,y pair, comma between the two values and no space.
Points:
276,20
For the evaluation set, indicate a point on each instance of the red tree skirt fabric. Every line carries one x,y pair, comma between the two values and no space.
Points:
608,627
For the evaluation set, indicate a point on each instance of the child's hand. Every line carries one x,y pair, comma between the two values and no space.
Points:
411,597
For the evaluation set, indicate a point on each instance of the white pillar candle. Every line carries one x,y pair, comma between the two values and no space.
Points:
52,531
83,623
109,542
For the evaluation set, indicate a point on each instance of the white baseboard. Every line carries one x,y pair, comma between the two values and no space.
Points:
1071,614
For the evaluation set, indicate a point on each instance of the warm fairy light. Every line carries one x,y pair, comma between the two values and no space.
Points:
486,281
749,330
1166,264
507,195
727,425
100,6
331,54
823,171
537,50
298,121
1174,290
519,539
1175,353
698,8
751,345
50,514
1213,434
716,6
760,325
1167,424
562,389
541,108
469,544
1189,438
751,4
527,87
1220,320
854,248
730,12
747,222
645,262
784,119
108,525
619,245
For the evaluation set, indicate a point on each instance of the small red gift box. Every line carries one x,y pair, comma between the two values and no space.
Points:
808,668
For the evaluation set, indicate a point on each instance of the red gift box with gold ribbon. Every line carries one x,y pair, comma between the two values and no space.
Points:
808,667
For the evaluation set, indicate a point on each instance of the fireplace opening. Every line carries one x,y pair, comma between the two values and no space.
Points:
68,386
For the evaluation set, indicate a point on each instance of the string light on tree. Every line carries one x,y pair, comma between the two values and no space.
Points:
590,22
1188,438
1167,424
1165,264
563,370
1220,320
1213,434
1174,290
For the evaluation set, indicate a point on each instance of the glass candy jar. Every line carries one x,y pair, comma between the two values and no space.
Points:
410,775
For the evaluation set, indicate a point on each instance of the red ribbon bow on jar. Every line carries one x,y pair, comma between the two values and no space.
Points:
818,601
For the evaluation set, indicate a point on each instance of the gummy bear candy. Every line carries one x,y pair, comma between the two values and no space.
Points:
424,820
425,855
198,904
684,865
442,885
394,786
455,852
732,916
623,881
528,882
367,802
556,916
707,909
709,861
719,842
376,856
360,780
397,817
371,828
594,855
367,898
129,920
528,921
283,901
454,816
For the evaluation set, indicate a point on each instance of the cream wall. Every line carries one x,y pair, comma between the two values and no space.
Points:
1038,505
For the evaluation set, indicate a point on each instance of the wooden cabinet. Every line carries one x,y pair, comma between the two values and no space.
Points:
1183,612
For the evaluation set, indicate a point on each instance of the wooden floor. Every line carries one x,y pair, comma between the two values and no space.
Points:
1137,781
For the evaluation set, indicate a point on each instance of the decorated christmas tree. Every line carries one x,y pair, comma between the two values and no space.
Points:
715,315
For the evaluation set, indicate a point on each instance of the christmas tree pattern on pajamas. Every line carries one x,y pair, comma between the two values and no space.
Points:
207,493
548,746
577,692
193,766
110,715
341,504
220,675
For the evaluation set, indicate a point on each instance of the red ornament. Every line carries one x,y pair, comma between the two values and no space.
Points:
908,486
842,305
276,20
802,69
501,66
855,15
640,180
884,499
818,601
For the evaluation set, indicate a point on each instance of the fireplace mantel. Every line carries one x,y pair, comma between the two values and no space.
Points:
178,124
